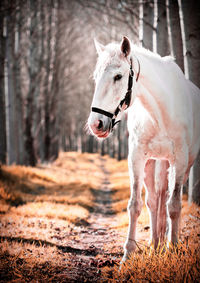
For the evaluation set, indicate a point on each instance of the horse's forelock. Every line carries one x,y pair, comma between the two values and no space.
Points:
111,55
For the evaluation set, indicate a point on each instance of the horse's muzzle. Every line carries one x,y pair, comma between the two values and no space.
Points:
99,125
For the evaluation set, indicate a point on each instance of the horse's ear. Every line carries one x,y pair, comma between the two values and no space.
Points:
125,46
99,47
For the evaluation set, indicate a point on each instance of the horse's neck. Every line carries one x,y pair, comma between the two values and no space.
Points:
146,91
151,70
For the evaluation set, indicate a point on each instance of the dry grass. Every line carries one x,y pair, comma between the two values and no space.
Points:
51,210
66,183
172,265
30,263
166,264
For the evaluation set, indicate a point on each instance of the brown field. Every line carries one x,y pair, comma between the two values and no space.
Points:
67,222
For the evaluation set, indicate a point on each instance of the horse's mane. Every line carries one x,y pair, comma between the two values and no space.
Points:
114,50
150,54
114,47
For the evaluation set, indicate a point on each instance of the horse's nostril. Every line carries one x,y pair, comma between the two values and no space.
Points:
100,125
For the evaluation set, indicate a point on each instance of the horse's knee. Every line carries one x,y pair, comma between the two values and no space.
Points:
174,212
174,205
134,207
174,208
152,203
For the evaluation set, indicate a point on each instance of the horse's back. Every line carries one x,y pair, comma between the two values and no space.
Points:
184,104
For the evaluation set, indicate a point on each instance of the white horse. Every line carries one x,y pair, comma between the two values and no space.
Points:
164,130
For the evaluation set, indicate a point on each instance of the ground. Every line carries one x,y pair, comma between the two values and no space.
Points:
67,222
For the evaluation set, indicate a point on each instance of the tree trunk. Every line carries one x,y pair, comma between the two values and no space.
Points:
125,138
2,85
90,144
39,120
190,12
148,19
194,182
47,137
29,140
175,32
55,86
162,31
191,22
119,153
11,120
17,86
38,124
103,148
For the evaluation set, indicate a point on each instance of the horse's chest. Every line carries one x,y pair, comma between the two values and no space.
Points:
160,147
152,143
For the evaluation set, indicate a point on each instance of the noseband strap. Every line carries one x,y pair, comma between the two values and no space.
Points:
124,103
101,111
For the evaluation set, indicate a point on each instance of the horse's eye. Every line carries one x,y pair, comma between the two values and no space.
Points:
117,77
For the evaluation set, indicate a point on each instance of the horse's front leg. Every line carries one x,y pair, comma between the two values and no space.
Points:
151,198
136,171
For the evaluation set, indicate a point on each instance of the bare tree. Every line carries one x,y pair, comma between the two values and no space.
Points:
33,69
174,31
190,14
2,86
148,20
11,121
47,138
55,85
19,138
162,31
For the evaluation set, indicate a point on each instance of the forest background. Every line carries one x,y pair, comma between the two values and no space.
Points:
47,59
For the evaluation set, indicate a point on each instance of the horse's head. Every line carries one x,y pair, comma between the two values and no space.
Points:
113,77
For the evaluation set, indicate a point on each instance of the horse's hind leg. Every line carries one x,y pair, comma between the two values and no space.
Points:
162,191
174,204
156,184
174,208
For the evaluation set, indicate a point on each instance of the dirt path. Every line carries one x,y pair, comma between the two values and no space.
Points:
98,241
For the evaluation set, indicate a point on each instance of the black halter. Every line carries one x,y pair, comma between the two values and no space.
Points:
124,102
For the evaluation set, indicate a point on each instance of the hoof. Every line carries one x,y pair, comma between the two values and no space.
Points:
125,258
122,262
